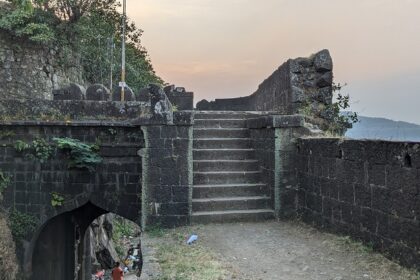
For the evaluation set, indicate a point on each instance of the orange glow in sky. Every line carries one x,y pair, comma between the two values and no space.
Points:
225,48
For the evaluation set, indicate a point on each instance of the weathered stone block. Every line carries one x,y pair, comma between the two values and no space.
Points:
323,61
128,94
71,92
98,92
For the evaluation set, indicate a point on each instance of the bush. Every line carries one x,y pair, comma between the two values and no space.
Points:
83,156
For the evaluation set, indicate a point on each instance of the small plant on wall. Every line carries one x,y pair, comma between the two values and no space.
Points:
42,149
4,183
57,199
82,156
21,146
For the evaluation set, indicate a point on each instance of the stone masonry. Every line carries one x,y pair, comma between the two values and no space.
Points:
42,67
144,175
369,190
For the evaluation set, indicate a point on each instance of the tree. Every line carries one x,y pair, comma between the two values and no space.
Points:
87,27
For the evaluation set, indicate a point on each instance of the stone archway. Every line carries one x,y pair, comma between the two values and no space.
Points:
59,249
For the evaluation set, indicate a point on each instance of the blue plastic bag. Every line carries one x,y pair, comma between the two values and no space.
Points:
192,239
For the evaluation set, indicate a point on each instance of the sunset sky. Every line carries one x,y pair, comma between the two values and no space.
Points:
225,48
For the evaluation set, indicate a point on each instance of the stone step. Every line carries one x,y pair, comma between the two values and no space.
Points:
228,190
222,143
222,115
223,154
221,133
223,165
219,123
255,215
229,177
230,203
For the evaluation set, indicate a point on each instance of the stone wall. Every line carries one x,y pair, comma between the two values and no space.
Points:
29,70
369,190
298,83
114,186
179,97
274,140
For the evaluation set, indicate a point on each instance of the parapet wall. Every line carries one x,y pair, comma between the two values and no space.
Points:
369,190
298,83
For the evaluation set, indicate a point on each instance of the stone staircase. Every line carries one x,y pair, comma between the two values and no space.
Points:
227,179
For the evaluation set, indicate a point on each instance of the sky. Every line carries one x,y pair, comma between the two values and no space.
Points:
226,48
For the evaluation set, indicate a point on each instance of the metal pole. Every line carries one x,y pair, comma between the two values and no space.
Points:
111,59
123,53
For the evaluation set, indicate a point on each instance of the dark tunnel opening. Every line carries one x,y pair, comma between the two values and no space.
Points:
60,251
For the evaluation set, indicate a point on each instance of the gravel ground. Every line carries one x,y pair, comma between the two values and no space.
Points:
293,251
286,251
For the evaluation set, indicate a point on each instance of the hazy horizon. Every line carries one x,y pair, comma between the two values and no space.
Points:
220,49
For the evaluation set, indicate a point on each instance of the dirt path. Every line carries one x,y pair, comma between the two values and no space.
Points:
292,251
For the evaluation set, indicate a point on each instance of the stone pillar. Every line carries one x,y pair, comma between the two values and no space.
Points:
274,139
167,172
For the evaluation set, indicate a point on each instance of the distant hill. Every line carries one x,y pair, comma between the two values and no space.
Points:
385,129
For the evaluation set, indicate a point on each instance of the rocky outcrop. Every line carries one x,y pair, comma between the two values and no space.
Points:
102,250
29,70
8,261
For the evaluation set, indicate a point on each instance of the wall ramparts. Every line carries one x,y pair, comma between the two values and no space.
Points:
298,83
369,190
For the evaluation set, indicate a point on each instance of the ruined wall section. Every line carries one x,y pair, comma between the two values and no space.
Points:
299,84
29,70
369,190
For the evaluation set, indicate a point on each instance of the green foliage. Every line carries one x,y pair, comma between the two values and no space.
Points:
21,146
89,28
21,225
42,149
4,183
339,122
25,22
102,51
57,199
82,156
120,228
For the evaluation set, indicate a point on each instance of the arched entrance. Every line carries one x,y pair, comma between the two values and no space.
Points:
59,251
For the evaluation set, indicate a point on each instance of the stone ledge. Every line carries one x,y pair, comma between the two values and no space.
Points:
33,109
276,121
78,113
